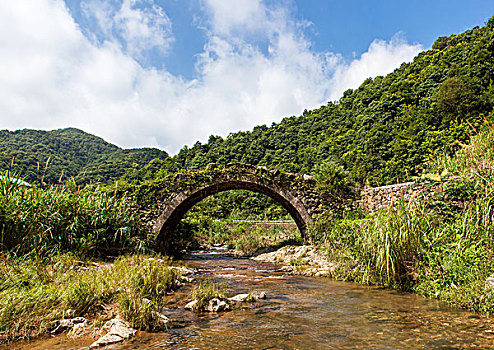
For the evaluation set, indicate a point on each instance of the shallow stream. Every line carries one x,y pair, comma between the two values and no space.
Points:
304,313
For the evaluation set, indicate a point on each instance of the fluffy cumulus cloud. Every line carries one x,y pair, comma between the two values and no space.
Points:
381,58
138,25
256,67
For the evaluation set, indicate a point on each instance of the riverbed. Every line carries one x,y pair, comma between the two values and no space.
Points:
302,313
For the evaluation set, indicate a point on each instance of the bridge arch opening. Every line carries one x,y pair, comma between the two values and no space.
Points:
167,224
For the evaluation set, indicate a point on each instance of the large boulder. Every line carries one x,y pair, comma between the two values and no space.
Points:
254,296
69,324
191,305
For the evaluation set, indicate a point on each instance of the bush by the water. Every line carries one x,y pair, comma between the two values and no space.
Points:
440,247
197,230
206,291
63,219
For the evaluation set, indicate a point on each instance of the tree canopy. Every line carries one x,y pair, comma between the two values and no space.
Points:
381,132
56,156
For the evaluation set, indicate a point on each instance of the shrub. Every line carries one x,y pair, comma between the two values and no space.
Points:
57,219
36,293
439,247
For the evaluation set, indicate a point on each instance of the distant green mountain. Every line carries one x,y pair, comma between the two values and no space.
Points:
59,155
380,133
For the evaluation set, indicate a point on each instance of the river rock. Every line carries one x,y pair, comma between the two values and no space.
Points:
260,295
308,177
214,305
188,279
185,274
323,272
489,283
163,321
105,340
191,305
119,331
63,325
308,260
286,268
239,298
286,254
217,305
184,271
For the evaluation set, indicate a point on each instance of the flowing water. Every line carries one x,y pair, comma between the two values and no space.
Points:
305,313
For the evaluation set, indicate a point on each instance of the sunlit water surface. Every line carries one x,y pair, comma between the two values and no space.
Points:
304,313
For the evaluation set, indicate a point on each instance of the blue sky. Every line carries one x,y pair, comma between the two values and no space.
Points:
166,73
345,27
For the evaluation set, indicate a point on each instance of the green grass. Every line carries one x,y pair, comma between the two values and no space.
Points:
251,297
36,293
206,291
441,247
243,237
59,219
40,280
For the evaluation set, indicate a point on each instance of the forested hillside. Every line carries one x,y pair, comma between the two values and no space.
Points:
381,132
58,155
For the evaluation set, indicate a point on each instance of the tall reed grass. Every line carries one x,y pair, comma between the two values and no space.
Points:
205,291
59,219
35,293
440,247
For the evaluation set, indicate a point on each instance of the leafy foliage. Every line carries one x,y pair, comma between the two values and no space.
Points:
440,247
206,291
334,183
35,293
55,156
381,132
42,221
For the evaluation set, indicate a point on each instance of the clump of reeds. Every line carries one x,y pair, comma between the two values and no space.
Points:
206,291
59,219
441,246
144,288
35,293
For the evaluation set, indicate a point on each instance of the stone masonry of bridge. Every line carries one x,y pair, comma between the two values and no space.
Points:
162,204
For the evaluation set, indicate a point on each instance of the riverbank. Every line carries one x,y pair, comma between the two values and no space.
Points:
105,301
37,294
440,247
298,312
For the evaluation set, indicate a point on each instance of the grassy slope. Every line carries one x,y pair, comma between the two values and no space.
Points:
35,293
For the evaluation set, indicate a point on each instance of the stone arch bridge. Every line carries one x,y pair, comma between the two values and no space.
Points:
162,204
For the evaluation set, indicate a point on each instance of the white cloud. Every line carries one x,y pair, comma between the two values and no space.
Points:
138,25
228,16
381,58
55,76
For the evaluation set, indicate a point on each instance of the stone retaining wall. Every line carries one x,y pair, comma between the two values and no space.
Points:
377,198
